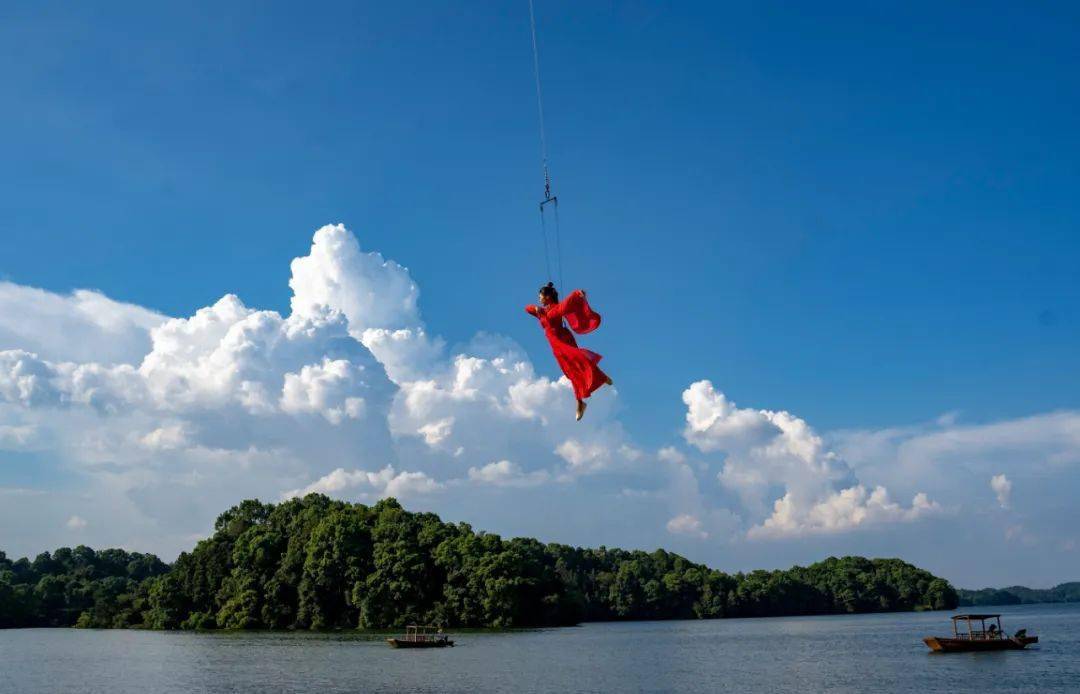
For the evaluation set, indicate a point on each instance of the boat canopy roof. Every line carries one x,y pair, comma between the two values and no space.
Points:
976,616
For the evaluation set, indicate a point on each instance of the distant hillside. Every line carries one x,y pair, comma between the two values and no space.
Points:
1019,595
314,563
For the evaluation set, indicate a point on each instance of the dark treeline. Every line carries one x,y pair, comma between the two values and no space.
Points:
1020,595
78,586
314,563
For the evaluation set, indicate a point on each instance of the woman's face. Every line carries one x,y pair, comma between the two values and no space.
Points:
544,299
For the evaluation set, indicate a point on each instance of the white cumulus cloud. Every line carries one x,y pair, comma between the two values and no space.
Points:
1002,487
75,523
765,450
685,524
843,510
84,326
369,485
330,389
504,473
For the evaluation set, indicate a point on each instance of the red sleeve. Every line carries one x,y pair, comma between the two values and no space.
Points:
530,309
577,312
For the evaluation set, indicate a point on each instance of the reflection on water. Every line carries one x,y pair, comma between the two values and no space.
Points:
864,653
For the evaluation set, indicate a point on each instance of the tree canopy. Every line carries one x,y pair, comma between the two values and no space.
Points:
1019,595
77,587
316,563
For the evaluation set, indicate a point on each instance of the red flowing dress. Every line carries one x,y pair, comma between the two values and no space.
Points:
579,365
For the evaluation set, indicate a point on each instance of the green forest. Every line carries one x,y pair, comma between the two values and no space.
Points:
1020,595
316,563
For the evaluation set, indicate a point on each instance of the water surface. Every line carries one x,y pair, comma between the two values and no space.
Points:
862,653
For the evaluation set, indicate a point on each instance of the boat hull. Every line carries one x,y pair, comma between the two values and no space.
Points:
434,643
943,644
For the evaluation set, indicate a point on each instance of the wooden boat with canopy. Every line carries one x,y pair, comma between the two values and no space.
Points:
978,636
417,636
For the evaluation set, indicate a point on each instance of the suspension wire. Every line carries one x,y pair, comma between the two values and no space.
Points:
548,197
539,102
547,258
558,242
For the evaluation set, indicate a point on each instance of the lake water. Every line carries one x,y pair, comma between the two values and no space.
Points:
863,653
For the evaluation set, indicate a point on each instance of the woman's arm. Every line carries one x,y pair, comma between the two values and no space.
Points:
531,310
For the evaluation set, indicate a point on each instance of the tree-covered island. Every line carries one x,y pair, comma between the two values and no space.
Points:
316,563
1019,595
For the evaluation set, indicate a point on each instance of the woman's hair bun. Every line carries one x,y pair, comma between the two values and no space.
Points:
551,284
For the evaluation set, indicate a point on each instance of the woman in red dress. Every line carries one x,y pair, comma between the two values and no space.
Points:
579,365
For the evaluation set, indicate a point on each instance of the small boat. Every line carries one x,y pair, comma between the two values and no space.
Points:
421,637
979,637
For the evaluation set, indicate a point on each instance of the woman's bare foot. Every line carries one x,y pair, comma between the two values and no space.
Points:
609,381
580,409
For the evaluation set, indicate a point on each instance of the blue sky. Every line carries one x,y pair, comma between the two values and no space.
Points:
865,215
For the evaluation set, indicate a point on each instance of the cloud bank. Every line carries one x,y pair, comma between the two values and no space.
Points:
138,428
